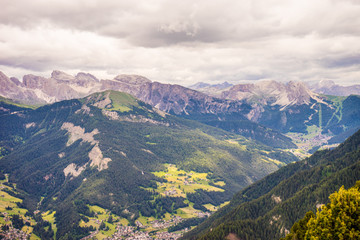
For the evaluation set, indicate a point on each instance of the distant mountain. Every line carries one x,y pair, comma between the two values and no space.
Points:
272,93
329,87
199,85
115,152
202,85
268,208
173,99
272,108
214,90
294,108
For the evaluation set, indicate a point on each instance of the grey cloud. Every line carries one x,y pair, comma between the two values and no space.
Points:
184,40
169,22
342,61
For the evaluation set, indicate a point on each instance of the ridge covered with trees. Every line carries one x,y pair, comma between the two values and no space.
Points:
103,150
268,208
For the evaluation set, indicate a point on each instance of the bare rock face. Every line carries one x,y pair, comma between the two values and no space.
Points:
36,82
16,81
10,88
6,84
214,90
86,80
328,87
50,89
272,93
132,79
95,155
166,97
61,77
170,98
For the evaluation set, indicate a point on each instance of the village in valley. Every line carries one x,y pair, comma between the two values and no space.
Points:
177,183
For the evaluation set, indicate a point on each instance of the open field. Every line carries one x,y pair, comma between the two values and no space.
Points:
180,182
8,208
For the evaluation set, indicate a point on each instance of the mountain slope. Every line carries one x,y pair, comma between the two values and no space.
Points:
268,208
276,109
329,87
107,150
169,98
214,90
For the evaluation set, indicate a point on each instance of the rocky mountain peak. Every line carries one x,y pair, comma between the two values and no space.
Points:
298,93
16,81
2,75
5,83
132,79
271,92
34,82
199,85
329,87
86,77
326,83
61,76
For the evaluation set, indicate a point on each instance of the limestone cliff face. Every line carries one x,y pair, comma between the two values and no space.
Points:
39,90
272,92
170,98
14,89
49,89
248,100
268,95
166,97
329,87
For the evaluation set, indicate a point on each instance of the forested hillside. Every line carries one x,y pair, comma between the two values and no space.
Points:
268,208
113,151
339,219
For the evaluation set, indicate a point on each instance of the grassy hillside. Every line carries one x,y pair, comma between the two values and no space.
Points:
111,150
268,208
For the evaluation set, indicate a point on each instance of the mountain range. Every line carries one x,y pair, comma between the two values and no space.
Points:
270,112
79,155
114,151
329,87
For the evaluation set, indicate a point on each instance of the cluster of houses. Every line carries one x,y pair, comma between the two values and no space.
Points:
167,235
161,224
13,233
130,233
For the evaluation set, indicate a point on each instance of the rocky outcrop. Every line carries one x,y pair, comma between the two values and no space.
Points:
214,90
14,89
166,97
272,93
329,87
95,155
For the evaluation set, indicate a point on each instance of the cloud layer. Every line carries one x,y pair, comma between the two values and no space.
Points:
184,41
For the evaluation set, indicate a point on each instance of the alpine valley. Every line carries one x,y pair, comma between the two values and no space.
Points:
128,158
79,162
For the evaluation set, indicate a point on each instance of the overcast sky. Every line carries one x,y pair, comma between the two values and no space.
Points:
184,41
